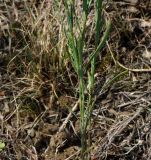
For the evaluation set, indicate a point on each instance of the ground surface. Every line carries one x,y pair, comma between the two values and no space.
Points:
36,96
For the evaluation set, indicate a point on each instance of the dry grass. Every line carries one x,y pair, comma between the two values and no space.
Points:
39,88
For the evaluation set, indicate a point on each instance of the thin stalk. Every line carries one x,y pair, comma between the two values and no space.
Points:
98,28
82,120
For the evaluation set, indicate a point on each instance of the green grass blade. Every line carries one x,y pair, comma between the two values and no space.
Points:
102,42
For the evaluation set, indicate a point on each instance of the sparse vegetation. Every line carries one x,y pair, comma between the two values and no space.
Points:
72,86
76,43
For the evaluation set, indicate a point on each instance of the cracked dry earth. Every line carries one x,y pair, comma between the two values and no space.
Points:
121,119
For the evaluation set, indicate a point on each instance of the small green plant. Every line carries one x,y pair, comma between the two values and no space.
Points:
2,146
75,31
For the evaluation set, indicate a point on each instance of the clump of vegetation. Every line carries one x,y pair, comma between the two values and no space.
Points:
75,32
